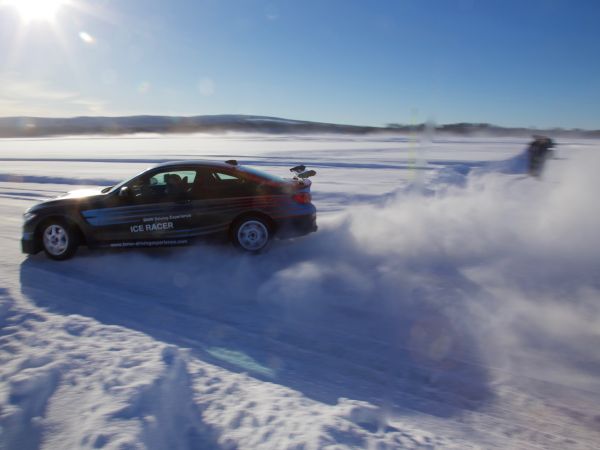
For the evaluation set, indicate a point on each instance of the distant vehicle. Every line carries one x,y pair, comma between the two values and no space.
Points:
170,205
538,152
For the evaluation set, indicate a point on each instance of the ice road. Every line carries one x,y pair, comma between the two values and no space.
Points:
447,301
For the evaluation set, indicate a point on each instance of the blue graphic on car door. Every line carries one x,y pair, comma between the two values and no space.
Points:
145,221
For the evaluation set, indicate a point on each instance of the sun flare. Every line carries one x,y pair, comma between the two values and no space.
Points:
36,10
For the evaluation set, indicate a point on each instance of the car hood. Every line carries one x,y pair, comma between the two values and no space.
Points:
70,198
80,193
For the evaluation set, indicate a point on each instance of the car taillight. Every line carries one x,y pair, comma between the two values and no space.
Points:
302,197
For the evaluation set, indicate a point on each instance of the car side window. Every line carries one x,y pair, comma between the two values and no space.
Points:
224,184
164,185
226,178
183,177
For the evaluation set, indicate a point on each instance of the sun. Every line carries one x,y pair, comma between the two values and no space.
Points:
36,10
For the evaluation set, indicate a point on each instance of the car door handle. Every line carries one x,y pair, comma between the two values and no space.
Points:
183,202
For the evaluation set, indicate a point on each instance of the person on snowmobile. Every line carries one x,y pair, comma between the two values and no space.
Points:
538,152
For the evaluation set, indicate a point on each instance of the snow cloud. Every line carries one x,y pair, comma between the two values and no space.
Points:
506,266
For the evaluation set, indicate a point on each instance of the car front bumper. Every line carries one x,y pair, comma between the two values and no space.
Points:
29,244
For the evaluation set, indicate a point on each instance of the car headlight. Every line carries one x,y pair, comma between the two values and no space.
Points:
28,216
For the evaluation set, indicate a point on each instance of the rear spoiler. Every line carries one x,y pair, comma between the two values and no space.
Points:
301,173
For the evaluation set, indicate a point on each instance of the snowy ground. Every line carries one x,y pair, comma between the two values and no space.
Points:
447,301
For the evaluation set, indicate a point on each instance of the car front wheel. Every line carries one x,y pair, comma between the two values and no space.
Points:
59,240
251,234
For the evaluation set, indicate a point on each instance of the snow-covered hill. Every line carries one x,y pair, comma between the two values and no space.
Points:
220,123
447,301
21,127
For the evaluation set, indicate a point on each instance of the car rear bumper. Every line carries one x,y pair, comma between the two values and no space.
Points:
297,226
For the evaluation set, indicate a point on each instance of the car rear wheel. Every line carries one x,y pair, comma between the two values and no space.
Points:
251,234
59,240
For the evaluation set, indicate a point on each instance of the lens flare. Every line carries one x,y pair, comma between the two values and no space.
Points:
87,38
36,10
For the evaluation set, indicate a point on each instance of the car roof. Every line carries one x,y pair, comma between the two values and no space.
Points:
196,162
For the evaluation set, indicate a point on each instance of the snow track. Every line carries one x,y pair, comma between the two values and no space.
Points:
433,309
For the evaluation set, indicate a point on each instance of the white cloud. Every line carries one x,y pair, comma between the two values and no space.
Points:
14,89
144,87
92,105
34,97
206,87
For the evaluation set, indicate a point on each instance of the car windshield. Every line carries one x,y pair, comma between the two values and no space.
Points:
118,186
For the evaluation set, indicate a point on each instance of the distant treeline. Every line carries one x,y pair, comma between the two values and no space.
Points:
486,129
16,127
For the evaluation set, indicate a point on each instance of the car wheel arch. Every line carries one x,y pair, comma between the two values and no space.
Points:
254,214
60,218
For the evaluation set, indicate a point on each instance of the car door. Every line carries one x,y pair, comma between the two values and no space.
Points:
156,206
220,195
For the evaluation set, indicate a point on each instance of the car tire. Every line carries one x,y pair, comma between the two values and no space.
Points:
251,234
59,240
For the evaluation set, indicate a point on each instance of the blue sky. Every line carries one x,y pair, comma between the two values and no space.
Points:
526,63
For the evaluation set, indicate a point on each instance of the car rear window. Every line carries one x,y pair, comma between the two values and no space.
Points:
261,174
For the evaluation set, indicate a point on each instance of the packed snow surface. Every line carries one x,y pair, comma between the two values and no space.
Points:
448,300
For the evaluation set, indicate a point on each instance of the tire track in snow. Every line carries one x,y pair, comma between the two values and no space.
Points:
420,404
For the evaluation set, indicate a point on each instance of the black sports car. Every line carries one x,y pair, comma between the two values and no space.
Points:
171,204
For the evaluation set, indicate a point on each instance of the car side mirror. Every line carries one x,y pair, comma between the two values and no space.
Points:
124,192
